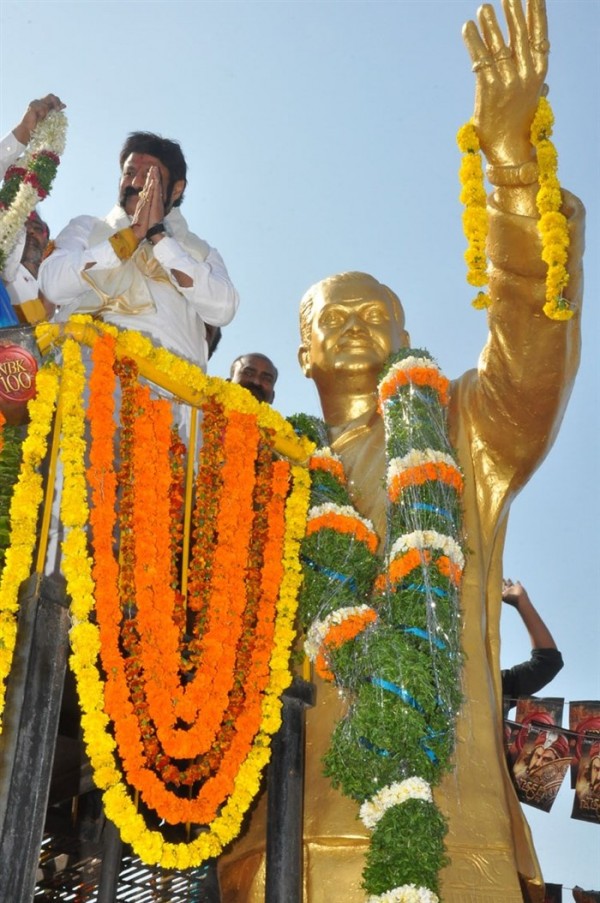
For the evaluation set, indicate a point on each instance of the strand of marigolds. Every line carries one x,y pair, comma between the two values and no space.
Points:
552,224
119,805
381,637
24,510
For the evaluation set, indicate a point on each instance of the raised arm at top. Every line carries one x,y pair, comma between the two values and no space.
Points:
509,76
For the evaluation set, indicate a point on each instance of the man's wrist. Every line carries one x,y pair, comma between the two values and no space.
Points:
156,232
124,243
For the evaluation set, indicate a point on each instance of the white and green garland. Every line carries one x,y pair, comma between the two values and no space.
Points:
30,179
386,629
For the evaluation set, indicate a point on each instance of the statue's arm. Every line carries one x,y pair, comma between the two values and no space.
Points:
527,368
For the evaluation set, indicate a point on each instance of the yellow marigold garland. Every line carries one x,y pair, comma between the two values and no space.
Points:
552,224
119,806
24,509
475,219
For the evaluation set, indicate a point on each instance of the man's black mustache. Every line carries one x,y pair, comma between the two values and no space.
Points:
130,192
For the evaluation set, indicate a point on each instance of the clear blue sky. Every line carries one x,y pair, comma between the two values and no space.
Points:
320,138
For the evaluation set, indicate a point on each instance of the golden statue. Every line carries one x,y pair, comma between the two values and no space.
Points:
503,418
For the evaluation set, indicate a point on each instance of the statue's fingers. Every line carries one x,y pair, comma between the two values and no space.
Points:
537,21
518,33
479,52
493,37
537,27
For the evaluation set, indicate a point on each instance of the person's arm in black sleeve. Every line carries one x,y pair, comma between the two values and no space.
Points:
545,662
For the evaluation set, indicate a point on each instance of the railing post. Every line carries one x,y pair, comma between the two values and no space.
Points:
28,741
285,785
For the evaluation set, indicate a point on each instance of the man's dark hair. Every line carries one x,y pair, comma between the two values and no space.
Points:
168,152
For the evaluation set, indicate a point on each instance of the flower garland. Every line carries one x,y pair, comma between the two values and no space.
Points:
25,503
30,182
552,224
386,630
11,440
474,218
274,605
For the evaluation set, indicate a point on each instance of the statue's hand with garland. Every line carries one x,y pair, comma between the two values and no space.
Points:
509,83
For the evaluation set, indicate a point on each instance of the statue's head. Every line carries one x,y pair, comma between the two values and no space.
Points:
349,325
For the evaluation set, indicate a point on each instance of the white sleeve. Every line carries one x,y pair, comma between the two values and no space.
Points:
10,151
60,276
212,292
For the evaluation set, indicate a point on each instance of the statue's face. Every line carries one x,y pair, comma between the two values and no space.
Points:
355,327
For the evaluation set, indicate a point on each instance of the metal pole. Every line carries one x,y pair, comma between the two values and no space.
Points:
33,700
285,784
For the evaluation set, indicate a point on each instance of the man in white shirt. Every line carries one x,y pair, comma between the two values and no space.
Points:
140,267
18,283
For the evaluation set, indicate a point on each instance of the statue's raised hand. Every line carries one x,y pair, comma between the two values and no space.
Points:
509,77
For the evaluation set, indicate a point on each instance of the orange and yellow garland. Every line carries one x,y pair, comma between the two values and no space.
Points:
175,692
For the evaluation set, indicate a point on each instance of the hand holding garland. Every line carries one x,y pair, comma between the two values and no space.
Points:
35,113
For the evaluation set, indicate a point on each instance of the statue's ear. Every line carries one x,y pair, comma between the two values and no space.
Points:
304,360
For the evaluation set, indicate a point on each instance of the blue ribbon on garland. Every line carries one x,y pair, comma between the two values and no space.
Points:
366,744
424,635
421,588
334,575
423,506
406,697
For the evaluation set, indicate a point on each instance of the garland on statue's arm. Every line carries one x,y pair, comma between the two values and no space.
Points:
30,180
552,224
387,631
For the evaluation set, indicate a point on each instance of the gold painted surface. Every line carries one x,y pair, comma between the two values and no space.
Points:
503,418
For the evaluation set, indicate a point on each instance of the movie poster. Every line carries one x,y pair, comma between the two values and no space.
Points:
541,765
584,719
530,710
586,806
585,896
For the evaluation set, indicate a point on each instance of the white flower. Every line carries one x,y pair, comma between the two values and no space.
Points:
319,629
325,453
428,539
408,893
373,810
409,363
49,135
12,220
340,511
416,458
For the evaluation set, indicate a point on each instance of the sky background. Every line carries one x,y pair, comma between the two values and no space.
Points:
319,136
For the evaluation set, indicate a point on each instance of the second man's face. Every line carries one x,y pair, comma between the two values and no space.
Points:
257,375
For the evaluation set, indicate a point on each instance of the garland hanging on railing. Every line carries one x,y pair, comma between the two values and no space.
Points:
191,697
552,224
387,630
30,180
25,504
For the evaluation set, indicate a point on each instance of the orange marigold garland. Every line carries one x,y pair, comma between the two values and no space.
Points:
133,613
